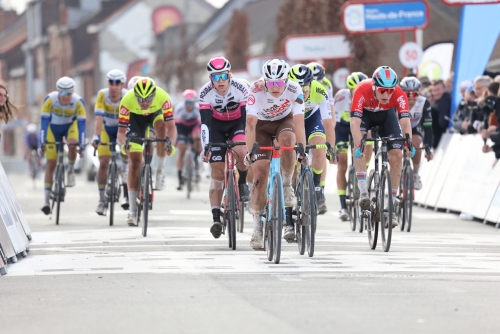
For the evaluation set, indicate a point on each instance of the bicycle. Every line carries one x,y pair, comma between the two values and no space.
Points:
190,171
380,192
406,193
146,192
231,204
33,166
306,210
59,186
113,188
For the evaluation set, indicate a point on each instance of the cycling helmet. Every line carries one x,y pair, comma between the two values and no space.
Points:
409,83
275,69
144,87
385,77
301,74
132,81
318,70
189,95
218,64
354,79
31,128
65,84
116,75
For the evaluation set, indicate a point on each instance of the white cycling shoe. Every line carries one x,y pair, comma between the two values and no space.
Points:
417,182
160,181
256,241
131,219
70,179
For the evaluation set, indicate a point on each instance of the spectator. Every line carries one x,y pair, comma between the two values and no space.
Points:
492,105
497,79
489,107
463,113
481,87
440,111
6,106
424,83
449,83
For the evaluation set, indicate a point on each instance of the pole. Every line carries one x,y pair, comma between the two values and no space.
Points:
403,41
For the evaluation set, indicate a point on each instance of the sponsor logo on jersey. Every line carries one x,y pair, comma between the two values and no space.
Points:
216,148
240,87
277,110
402,102
322,92
339,98
218,101
291,88
216,158
124,111
167,105
205,92
361,102
251,100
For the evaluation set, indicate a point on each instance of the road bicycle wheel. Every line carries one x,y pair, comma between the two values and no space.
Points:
241,217
300,224
373,219
189,173
232,209
145,198
59,190
408,198
386,208
140,197
351,202
277,218
309,206
112,191
401,199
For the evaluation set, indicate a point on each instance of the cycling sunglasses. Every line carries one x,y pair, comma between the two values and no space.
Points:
220,76
412,94
63,94
382,90
189,103
275,83
114,82
306,88
145,99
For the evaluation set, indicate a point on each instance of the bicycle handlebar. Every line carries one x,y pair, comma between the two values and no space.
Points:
111,144
385,140
150,140
229,144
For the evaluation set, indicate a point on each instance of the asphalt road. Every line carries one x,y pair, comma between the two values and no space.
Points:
84,276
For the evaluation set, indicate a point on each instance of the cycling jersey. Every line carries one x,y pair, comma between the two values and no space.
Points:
268,108
183,116
129,104
32,140
224,107
61,117
342,106
421,120
318,99
364,100
107,109
329,88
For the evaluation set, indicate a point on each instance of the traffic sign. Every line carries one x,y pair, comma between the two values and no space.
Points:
340,77
469,2
374,16
410,54
316,46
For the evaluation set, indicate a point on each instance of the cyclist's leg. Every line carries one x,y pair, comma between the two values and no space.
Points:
72,138
417,139
360,165
238,134
369,150
391,128
342,133
285,135
182,136
160,127
51,156
104,153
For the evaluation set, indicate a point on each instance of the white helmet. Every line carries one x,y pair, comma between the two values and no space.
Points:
31,128
65,84
218,64
132,81
275,69
117,75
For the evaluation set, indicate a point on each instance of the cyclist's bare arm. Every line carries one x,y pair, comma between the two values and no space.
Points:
171,130
356,131
300,129
251,123
98,125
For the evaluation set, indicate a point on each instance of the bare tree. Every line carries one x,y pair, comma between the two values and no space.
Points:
237,43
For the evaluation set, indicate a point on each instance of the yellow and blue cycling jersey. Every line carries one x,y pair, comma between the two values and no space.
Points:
110,113
60,120
329,88
317,101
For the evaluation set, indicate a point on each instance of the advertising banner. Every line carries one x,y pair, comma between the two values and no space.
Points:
316,46
370,17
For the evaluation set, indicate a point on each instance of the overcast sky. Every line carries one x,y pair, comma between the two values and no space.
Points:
20,5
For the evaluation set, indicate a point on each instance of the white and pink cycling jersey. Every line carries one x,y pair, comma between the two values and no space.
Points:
268,108
227,107
188,118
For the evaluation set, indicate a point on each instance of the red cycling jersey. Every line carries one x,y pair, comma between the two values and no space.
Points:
364,99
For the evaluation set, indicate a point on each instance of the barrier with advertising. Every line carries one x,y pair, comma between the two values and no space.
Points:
462,178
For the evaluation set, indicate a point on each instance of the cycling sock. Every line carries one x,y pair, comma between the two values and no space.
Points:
195,158
124,166
361,177
132,199
322,183
394,194
242,179
179,175
71,166
257,221
317,177
367,164
416,167
101,192
161,164
287,179
47,192
343,203
216,213
289,220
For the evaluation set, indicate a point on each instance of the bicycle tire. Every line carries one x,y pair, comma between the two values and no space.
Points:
300,228
232,208
241,217
350,196
309,204
408,198
385,194
145,198
372,235
401,198
59,188
189,173
277,217
139,199
112,190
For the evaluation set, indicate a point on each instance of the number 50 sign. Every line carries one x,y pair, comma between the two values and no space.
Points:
410,54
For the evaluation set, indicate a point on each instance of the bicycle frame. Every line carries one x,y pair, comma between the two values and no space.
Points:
230,166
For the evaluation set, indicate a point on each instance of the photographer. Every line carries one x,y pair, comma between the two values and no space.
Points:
491,110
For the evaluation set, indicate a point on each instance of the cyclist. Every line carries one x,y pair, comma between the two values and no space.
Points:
277,109
371,105
421,123
106,129
223,102
63,114
132,81
188,122
342,107
32,143
145,105
319,125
